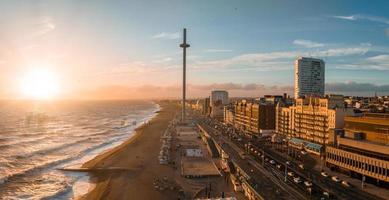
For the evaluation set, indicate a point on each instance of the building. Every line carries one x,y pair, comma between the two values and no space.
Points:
308,77
219,97
311,119
361,148
254,117
229,114
274,99
206,110
218,100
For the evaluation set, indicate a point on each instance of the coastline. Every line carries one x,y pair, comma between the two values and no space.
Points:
128,170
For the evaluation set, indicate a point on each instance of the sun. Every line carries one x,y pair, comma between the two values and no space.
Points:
40,84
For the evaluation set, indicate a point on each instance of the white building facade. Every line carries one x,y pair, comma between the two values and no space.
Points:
219,95
309,77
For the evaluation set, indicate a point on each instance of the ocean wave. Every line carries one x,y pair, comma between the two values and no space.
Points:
30,151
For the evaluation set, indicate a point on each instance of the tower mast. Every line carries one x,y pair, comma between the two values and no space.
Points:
184,45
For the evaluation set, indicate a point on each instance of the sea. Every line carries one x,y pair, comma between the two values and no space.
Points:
38,138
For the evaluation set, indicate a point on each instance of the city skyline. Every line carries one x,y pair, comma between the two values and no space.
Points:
115,50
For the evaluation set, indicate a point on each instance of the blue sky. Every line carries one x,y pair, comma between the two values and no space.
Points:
245,46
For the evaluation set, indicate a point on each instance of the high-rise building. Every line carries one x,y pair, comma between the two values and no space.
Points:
219,99
308,77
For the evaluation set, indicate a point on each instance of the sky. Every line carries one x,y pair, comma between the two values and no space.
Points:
130,49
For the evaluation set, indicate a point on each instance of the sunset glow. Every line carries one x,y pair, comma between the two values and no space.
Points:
39,83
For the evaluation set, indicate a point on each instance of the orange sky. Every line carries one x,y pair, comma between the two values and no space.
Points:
115,50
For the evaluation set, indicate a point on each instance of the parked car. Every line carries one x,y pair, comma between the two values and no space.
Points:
345,183
297,179
278,166
290,174
303,152
336,179
301,166
307,183
325,193
272,162
325,174
287,162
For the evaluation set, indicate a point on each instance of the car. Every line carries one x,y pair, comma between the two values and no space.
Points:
297,179
303,152
325,193
278,166
307,183
290,174
345,183
301,166
324,174
287,162
335,179
272,162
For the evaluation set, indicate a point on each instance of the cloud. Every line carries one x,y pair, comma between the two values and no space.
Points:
307,43
174,91
380,62
166,35
274,60
218,50
361,50
44,26
364,17
234,90
163,60
351,17
356,87
380,58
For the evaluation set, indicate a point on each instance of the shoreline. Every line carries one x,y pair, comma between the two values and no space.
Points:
131,167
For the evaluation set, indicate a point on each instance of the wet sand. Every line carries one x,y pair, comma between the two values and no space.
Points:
128,171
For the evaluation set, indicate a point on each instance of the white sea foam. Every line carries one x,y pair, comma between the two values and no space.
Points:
35,144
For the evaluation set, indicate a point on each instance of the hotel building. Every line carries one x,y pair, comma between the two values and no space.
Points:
361,148
254,117
309,77
311,118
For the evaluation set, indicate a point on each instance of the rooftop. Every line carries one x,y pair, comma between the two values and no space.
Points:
368,120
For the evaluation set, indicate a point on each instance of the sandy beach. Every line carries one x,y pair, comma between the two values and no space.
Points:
128,170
